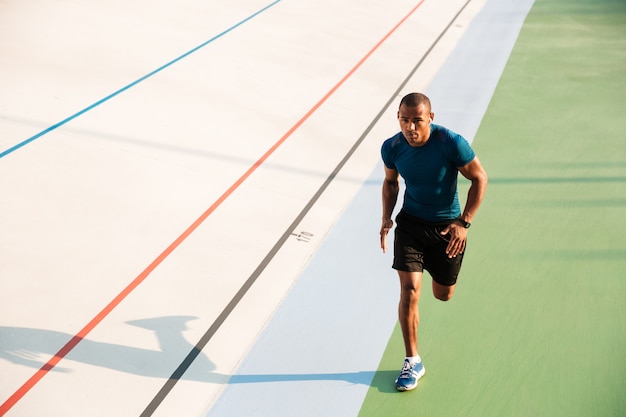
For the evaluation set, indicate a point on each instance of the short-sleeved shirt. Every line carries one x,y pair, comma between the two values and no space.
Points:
430,172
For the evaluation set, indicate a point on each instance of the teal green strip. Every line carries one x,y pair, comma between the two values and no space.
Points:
538,323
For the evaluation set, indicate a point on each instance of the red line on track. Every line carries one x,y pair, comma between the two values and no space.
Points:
32,381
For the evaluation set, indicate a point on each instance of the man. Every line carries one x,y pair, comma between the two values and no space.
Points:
431,232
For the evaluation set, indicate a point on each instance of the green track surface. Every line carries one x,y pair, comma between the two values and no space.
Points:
538,323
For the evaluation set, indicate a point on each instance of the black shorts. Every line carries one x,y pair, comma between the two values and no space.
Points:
419,246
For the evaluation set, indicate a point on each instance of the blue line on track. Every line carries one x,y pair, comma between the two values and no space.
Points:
121,90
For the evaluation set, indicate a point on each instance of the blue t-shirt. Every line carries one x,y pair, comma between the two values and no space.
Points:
430,172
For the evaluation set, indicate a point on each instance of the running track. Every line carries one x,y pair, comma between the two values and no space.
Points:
152,169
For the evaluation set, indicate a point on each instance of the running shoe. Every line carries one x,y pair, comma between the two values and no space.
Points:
409,375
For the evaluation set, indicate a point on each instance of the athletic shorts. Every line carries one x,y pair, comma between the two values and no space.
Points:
419,246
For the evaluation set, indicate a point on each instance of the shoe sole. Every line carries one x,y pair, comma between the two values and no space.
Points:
405,389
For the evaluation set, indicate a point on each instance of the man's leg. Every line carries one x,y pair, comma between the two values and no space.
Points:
408,311
408,314
443,292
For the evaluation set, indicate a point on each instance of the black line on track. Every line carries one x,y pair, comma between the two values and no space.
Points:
204,340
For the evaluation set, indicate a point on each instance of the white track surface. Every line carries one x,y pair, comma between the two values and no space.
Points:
138,216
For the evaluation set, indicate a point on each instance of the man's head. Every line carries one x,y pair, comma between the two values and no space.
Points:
415,116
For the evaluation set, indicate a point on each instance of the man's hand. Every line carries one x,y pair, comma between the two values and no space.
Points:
458,237
384,230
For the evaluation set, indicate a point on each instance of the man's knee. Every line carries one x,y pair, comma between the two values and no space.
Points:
410,285
442,292
410,294
443,296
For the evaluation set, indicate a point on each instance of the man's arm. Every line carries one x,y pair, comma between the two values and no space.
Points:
391,188
474,172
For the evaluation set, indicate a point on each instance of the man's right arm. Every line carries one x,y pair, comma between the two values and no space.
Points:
391,188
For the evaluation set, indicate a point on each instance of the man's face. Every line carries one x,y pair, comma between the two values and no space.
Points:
415,124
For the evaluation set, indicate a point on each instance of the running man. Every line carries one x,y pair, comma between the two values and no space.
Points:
431,232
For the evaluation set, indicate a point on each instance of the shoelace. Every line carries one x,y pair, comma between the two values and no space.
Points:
407,370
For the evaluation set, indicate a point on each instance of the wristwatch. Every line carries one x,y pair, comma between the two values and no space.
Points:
464,223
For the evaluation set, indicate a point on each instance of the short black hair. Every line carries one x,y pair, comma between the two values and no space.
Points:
415,99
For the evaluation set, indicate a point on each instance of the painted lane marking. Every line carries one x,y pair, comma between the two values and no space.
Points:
134,83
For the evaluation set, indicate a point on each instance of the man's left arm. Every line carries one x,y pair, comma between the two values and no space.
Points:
474,172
